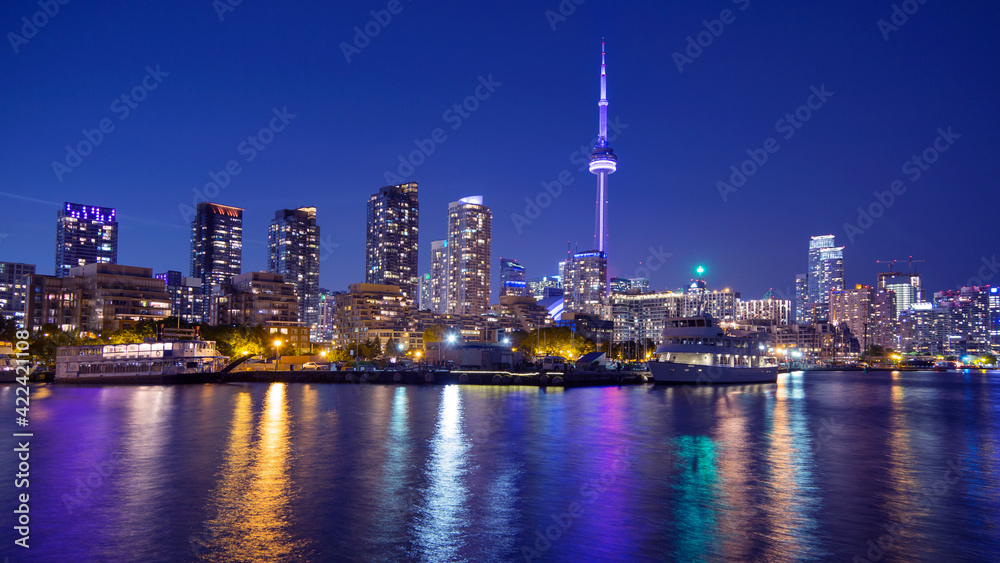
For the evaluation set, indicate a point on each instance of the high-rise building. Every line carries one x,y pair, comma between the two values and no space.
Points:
625,285
216,244
826,274
469,244
187,297
905,286
440,271
293,251
424,291
778,311
867,313
801,298
391,242
14,288
512,280
545,287
995,319
85,234
585,287
603,163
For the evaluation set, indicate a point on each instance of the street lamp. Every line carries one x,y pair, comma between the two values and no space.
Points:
277,343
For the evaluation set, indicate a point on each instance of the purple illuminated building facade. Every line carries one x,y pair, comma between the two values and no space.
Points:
85,234
603,163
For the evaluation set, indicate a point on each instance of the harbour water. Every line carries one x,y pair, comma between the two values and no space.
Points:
841,466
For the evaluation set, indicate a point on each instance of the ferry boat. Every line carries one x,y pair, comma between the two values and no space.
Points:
697,350
149,362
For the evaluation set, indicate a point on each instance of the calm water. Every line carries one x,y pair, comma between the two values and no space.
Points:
812,468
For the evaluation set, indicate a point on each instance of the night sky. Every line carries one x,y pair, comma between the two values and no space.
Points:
220,81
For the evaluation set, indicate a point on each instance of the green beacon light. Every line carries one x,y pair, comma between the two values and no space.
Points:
699,270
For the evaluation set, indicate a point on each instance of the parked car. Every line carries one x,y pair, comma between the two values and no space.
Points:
314,366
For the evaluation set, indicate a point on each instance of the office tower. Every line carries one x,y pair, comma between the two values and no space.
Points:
905,286
85,234
216,244
603,163
585,285
469,243
14,288
391,242
187,297
801,298
512,280
816,246
293,252
826,274
439,276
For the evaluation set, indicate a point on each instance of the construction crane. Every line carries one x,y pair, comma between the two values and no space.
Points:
909,261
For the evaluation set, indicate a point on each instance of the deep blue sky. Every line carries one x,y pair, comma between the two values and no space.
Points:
353,120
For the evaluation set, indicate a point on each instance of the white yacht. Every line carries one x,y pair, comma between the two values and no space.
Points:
697,350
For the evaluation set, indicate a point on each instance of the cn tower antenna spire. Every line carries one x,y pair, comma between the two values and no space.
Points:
603,161
602,130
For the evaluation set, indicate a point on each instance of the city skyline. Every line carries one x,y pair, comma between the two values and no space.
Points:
863,137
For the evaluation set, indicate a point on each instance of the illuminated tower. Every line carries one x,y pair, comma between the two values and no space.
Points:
602,163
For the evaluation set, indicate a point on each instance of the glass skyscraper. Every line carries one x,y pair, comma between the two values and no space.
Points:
512,281
826,273
469,243
85,234
216,246
293,252
905,286
391,242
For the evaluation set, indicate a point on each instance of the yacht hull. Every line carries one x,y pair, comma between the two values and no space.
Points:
677,373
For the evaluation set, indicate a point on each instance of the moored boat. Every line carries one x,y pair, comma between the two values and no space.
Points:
698,350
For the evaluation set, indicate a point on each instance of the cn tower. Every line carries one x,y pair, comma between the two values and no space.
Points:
602,162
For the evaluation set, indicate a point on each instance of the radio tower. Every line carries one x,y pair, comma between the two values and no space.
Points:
602,162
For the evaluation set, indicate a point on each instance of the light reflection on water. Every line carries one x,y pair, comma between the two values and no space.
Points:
459,473
442,509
